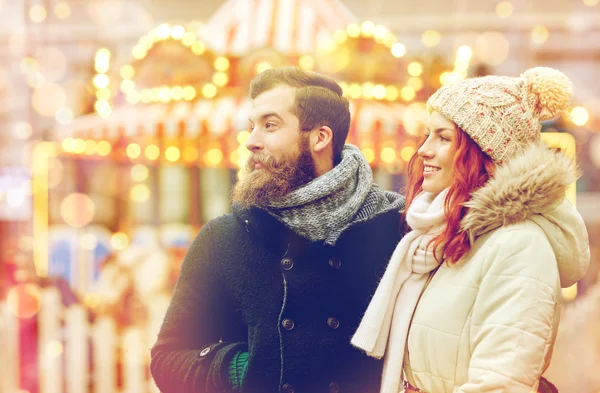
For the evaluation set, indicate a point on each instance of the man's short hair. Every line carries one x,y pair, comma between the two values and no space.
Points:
318,101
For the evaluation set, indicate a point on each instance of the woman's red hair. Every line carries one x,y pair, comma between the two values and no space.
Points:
471,169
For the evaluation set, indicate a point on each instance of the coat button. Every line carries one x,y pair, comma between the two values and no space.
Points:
333,323
287,264
287,388
334,387
204,352
335,263
287,324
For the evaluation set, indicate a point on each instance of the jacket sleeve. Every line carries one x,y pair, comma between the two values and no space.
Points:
513,319
201,331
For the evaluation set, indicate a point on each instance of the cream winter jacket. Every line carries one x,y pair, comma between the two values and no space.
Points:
488,323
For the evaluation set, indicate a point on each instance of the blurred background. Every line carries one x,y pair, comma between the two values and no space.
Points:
122,129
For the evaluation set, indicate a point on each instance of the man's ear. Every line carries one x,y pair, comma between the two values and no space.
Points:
322,139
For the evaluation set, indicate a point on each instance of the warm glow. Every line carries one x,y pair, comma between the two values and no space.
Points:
392,93
24,300
504,9
579,115
68,145
79,146
22,130
177,93
213,157
62,10
340,37
189,93
430,38
139,52
380,33
220,79
163,31
188,39
415,68
152,152
172,154
369,154
127,72
591,3
354,90
407,152
198,48
139,172
101,81
242,137
38,13
119,241
398,49
367,90
103,94
367,29
133,150
539,35
190,154
177,32
92,300
140,193
127,86
90,147
209,90
103,148
407,93
464,53
353,30
307,62
221,63
262,66
379,92
388,155
77,210
415,82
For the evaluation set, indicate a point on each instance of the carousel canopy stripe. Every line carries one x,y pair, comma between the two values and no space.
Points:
221,116
289,26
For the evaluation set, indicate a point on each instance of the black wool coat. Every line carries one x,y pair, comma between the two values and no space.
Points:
248,283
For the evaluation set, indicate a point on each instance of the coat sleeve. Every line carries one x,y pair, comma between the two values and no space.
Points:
201,331
514,315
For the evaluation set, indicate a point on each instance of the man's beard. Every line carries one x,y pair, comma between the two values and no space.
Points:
276,179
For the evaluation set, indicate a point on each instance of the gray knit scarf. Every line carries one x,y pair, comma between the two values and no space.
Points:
330,204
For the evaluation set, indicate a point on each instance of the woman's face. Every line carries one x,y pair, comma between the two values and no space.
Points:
437,153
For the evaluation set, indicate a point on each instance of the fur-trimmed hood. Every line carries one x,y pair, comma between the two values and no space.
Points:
532,186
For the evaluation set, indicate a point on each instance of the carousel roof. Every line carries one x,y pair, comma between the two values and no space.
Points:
289,26
220,116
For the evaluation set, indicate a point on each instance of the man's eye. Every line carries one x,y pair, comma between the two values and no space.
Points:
269,125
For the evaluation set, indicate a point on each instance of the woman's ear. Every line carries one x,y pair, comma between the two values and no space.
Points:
322,139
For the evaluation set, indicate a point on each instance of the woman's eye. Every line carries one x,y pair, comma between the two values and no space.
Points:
269,125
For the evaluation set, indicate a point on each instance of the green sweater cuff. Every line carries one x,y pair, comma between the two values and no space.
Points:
237,370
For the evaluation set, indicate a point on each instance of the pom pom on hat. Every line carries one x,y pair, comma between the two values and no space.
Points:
552,88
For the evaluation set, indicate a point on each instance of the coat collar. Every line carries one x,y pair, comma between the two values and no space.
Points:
532,183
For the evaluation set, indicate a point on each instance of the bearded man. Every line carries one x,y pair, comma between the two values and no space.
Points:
269,296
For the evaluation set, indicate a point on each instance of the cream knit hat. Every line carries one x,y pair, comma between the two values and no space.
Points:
502,114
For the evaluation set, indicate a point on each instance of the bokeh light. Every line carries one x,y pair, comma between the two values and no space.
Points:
415,68
103,148
48,99
388,155
504,9
22,130
139,172
213,157
579,115
24,300
539,35
431,38
133,150
52,63
119,241
89,241
38,13
140,193
64,116
77,210
152,152
172,154
398,49
62,10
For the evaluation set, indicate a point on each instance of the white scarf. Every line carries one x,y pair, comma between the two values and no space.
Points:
388,316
